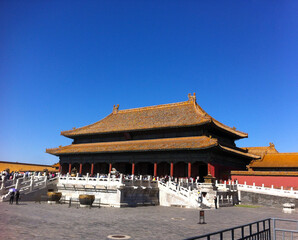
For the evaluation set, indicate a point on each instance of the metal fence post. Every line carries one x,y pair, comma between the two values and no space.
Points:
274,236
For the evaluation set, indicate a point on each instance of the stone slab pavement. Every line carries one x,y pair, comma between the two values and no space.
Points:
31,220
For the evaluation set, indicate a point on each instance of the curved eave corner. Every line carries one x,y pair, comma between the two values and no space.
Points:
237,133
234,151
52,151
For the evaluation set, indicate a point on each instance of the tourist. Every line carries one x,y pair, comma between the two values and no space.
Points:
11,197
17,196
215,202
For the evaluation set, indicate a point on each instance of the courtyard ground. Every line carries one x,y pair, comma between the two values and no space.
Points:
31,220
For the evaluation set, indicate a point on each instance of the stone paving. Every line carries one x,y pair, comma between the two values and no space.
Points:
31,220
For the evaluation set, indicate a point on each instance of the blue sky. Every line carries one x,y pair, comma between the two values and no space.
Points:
64,64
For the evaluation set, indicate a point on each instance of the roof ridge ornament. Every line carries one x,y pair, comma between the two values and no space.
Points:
271,145
116,108
192,98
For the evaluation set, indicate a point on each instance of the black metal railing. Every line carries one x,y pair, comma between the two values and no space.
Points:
259,230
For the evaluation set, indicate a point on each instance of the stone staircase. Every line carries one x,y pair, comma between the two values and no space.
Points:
31,188
173,194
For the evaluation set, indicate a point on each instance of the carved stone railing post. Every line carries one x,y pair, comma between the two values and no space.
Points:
3,182
109,178
31,183
149,181
17,184
14,179
45,181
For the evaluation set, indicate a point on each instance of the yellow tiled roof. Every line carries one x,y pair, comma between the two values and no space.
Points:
163,144
261,151
23,167
182,114
276,160
183,143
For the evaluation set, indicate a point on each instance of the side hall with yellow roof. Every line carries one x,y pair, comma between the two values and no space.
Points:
273,168
26,167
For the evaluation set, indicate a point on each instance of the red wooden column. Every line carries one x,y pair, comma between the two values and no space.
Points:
189,170
81,166
60,168
133,169
211,169
69,168
110,167
172,169
92,168
155,169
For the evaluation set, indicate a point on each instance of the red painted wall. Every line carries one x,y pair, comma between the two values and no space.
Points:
276,181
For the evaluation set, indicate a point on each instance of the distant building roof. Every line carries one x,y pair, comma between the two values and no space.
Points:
17,166
276,160
261,151
182,114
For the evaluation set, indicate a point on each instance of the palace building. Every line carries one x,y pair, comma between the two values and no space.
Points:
178,139
273,168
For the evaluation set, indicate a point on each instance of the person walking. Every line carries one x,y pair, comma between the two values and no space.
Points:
11,197
17,196
215,202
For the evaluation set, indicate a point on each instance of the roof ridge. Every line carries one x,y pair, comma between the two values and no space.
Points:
278,153
86,126
154,107
201,111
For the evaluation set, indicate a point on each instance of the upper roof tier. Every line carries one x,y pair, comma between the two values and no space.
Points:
182,114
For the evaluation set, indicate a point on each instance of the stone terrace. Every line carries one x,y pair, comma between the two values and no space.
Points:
43,221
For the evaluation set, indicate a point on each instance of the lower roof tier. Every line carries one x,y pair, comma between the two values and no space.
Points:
165,144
